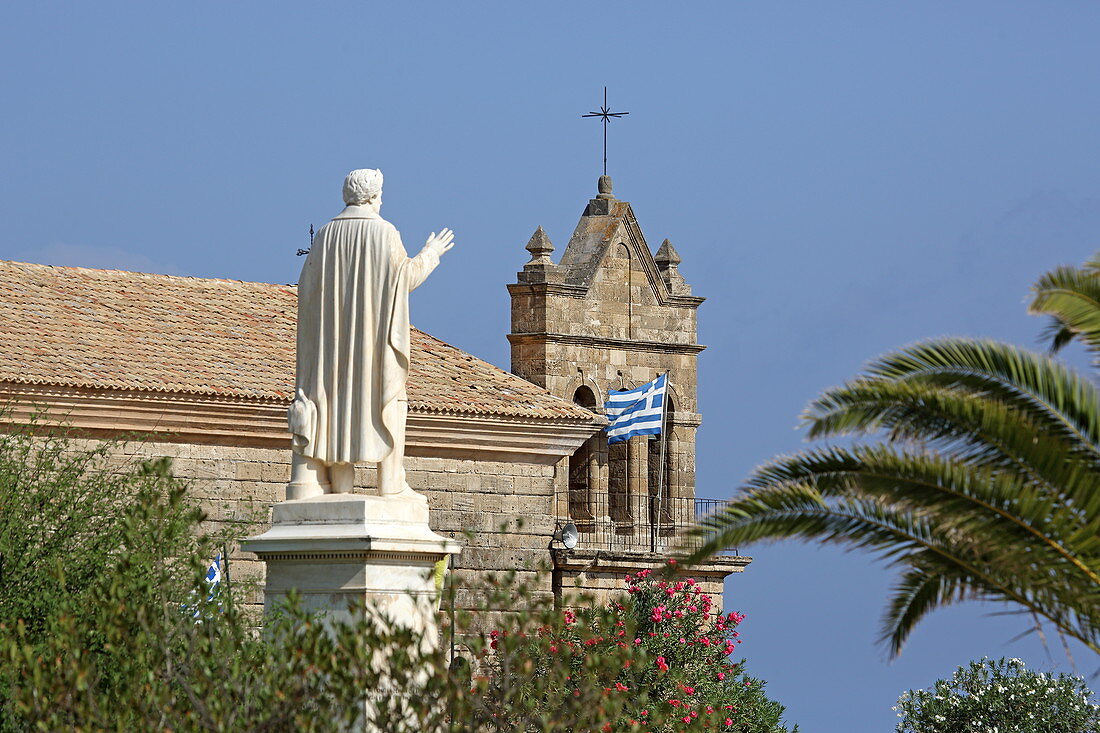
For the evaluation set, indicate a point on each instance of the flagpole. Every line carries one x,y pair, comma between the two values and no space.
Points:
656,531
225,574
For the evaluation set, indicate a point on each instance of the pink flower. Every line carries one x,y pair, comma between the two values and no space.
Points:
621,687
721,675
729,721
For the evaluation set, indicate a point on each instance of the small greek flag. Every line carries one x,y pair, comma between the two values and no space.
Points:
213,579
637,411
214,576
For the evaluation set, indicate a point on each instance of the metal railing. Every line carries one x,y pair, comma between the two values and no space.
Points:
636,523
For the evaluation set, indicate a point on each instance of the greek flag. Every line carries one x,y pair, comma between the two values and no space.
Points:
637,411
214,576
213,579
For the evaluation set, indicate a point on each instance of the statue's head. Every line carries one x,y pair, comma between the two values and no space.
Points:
363,186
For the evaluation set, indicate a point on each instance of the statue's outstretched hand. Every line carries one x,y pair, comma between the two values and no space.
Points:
441,242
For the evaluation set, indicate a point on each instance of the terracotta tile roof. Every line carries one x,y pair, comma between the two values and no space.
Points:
74,326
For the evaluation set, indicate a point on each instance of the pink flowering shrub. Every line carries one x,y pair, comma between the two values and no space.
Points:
658,658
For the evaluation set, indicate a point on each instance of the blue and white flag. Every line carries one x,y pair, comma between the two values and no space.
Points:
214,576
213,579
637,411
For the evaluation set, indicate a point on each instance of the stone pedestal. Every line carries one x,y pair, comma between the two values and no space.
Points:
339,548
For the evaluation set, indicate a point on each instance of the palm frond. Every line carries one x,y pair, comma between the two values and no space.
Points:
1071,296
1054,397
1000,509
916,594
963,426
1058,336
993,533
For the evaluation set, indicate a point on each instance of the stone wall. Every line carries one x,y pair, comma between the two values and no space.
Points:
501,512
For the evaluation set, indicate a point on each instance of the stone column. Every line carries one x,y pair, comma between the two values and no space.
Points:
603,479
638,480
594,492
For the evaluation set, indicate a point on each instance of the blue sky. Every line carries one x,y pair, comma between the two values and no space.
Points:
840,179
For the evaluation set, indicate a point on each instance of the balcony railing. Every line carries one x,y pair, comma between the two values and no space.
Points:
637,524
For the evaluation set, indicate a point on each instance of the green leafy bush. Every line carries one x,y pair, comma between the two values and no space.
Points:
1001,697
70,520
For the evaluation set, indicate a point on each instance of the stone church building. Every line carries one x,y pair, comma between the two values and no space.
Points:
202,371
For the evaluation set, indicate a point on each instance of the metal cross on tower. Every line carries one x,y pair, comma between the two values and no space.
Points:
605,114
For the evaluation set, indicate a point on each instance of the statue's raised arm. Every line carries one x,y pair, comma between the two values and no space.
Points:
353,346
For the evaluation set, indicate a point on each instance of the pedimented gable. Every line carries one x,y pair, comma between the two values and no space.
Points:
608,243
605,237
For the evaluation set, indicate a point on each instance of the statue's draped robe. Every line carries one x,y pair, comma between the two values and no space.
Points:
353,339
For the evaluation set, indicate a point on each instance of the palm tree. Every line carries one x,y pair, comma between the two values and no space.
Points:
981,479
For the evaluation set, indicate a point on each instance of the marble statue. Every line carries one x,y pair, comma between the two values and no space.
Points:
350,403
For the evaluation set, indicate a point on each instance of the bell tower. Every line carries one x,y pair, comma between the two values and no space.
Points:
609,316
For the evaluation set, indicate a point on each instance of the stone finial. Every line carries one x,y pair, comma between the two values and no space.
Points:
540,248
604,187
667,259
541,269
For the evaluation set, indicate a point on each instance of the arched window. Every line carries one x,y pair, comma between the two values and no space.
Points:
661,491
584,466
